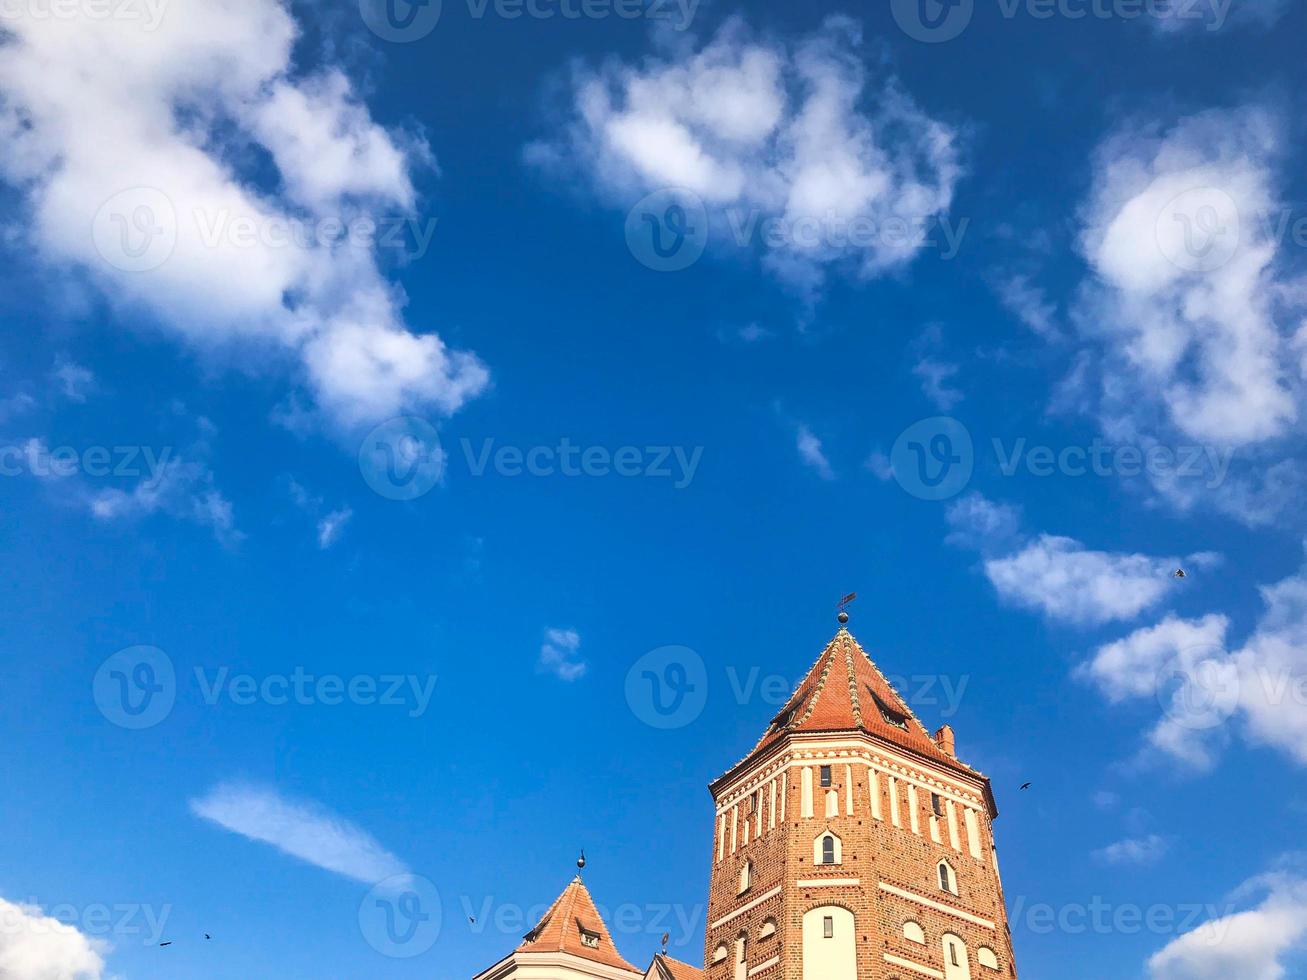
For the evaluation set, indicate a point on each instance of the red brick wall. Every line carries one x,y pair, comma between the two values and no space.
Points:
873,851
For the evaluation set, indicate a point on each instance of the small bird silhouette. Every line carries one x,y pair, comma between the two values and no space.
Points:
168,943
1025,786
1180,573
472,919
207,936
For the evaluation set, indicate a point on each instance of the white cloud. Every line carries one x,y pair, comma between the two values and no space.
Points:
1184,299
75,381
558,655
182,488
811,134
935,373
879,465
1030,305
1129,667
1065,580
1135,851
1059,576
981,523
35,946
1249,945
1203,684
128,145
302,829
811,453
332,526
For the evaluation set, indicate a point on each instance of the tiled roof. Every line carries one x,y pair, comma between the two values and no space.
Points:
666,968
561,930
845,691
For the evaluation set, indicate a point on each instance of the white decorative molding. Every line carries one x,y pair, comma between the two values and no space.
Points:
745,908
903,964
765,965
938,906
825,882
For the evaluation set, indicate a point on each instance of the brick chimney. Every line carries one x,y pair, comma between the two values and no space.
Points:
945,740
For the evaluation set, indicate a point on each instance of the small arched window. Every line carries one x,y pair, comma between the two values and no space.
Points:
986,958
719,956
913,933
746,877
948,880
768,929
827,849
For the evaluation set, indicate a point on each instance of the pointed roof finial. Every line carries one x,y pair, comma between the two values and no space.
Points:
843,607
580,862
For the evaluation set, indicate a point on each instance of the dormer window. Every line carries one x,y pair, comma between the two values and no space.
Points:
891,717
589,939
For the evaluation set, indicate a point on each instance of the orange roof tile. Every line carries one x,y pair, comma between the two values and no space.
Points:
845,691
562,929
667,968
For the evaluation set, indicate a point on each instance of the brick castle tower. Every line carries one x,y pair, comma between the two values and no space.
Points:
851,844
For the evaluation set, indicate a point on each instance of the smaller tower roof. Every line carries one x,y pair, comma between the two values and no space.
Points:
573,925
664,967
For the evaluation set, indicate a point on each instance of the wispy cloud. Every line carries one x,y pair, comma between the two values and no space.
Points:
74,382
302,829
811,453
558,654
1135,851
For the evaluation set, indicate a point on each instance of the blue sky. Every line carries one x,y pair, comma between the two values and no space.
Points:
383,394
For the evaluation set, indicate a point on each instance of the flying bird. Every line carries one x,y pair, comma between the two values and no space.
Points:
1026,786
1180,573
168,943
207,936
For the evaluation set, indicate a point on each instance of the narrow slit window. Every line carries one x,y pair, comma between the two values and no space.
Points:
828,927
825,775
828,850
